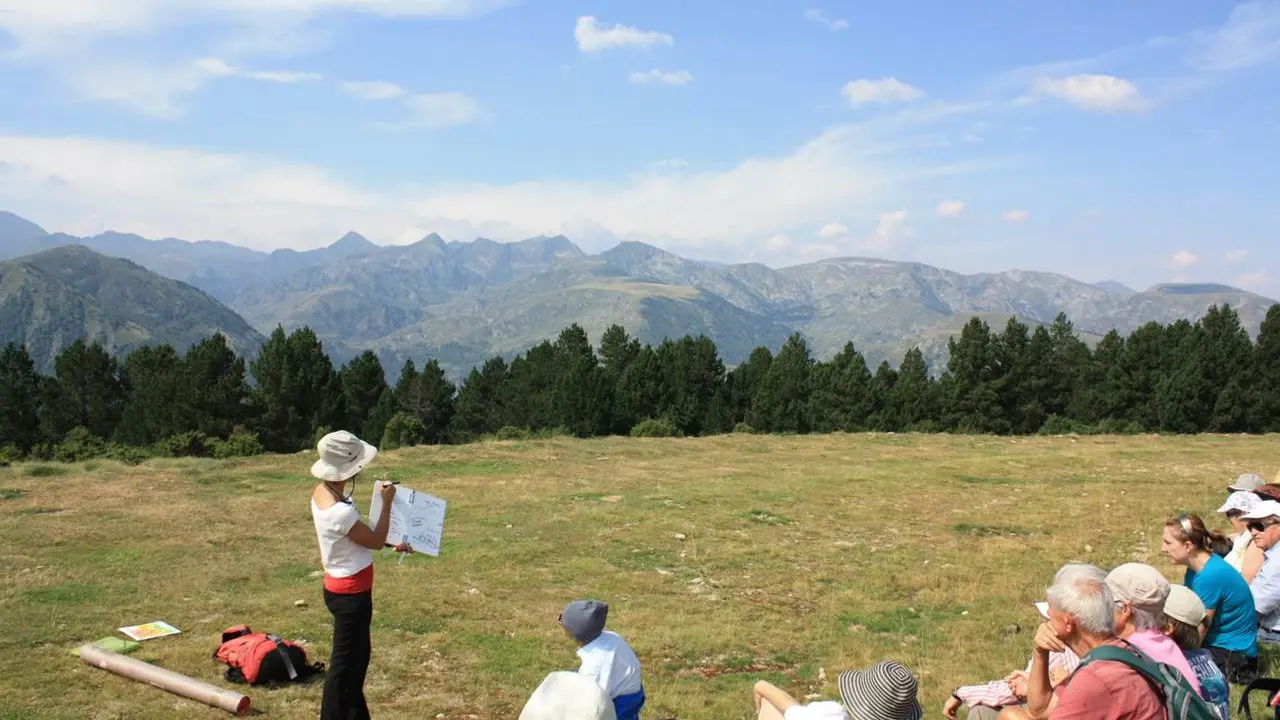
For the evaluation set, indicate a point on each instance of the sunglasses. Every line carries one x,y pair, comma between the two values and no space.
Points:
1260,526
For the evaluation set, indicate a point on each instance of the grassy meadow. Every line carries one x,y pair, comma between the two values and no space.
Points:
723,559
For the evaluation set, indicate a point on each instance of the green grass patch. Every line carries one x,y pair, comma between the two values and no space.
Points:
73,593
625,556
44,471
979,480
39,511
768,518
11,493
924,622
990,531
473,467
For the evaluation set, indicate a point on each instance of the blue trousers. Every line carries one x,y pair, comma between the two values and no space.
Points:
627,707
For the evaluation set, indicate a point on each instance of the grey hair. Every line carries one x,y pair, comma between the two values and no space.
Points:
1081,591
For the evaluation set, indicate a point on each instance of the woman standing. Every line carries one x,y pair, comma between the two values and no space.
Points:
346,551
1230,628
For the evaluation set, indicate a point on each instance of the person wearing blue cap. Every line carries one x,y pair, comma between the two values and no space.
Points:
606,657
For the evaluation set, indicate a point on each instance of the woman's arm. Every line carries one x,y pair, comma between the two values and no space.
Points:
373,539
1206,624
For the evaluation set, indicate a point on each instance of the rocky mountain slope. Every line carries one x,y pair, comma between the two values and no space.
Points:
464,302
53,298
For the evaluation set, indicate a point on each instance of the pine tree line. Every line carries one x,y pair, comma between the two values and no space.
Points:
1183,377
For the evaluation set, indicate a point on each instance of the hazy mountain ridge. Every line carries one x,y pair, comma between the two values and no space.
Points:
53,298
466,301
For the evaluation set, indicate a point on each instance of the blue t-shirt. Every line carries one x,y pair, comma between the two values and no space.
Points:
1213,685
1226,594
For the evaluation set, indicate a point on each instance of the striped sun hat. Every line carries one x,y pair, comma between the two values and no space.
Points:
885,691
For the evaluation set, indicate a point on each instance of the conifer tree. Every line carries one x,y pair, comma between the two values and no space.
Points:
19,399
156,407
781,402
87,391
217,391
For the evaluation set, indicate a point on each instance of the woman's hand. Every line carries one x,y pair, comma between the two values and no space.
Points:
950,707
388,493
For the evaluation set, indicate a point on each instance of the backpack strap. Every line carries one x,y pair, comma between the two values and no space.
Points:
1141,663
288,664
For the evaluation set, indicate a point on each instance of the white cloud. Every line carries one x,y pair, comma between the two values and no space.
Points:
374,90
99,49
777,243
1253,280
88,185
833,230
1100,93
1184,259
436,110
1235,257
819,250
1015,216
882,91
283,77
891,231
673,77
1250,37
594,37
816,15
950,209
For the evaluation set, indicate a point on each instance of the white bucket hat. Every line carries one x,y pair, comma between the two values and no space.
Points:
1240,500
1184,605
342,456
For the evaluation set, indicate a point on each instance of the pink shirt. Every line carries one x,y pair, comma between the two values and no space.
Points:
1163,649
1107,691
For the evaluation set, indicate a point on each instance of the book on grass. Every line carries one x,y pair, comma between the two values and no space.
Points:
150,630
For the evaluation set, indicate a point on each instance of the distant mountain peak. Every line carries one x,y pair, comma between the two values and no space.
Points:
1115,287
354,241
19,228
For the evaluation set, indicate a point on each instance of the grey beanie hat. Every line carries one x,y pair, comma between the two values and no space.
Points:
584,619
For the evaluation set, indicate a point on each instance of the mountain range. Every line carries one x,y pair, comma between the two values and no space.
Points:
463,302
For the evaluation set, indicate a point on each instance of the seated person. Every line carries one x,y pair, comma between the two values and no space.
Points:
1245,556
985,701
885,691
606,657
1183,613
1140,592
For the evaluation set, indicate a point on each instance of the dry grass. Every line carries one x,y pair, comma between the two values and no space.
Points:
723,559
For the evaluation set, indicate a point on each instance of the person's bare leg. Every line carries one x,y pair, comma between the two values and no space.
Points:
766,694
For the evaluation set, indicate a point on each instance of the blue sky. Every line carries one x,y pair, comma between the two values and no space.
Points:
1133,140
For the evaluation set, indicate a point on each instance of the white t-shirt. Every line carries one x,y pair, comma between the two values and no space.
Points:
340,555
613,664
822,710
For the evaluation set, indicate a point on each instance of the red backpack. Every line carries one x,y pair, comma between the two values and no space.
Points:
259,658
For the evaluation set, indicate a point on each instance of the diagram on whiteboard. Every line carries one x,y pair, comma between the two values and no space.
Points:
416,518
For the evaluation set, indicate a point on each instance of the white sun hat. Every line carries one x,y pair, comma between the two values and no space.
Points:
342,456
1240,500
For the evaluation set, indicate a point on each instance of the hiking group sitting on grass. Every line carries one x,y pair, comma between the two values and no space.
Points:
1166,642
1124,645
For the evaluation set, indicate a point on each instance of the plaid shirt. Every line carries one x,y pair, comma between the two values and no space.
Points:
997,693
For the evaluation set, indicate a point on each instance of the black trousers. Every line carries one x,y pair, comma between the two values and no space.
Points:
1237,667
344,684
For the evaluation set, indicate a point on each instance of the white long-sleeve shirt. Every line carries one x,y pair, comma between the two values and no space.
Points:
612,663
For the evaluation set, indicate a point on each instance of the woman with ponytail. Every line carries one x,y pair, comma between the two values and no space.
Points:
1230,628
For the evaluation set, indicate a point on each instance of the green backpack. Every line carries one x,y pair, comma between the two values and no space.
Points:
1180,699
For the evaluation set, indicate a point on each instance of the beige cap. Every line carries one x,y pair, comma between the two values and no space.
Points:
1183,604
1140,585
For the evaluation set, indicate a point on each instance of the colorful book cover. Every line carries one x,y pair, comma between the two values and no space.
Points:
150,630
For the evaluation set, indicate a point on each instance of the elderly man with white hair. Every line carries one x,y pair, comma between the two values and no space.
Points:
1082,616
1264,524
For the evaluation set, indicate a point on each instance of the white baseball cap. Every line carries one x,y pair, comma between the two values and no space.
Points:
1241,500
1183,604
1263,510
